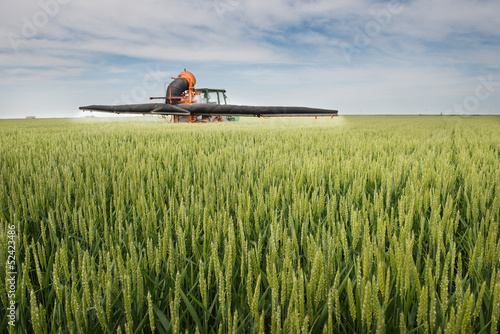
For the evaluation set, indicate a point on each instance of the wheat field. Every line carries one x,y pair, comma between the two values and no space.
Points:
352,224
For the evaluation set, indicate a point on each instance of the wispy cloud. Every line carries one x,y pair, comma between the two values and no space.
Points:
425,48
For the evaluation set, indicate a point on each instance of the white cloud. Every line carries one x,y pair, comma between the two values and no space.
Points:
429,49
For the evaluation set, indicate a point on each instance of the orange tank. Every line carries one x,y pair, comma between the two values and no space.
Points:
189,77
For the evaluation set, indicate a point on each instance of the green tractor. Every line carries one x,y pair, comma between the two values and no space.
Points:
207,96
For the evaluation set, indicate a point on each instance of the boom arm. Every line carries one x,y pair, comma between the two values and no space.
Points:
198,109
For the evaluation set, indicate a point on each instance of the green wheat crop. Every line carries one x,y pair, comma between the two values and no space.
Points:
356,224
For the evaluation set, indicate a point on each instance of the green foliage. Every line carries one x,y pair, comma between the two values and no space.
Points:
357,224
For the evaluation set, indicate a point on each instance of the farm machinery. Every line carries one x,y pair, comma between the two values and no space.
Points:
185,103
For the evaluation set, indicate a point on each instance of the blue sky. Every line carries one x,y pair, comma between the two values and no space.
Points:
357,56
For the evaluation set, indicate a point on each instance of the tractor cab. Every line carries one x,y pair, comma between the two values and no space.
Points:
211,96
205,96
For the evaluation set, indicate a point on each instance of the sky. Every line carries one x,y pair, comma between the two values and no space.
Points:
356,56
